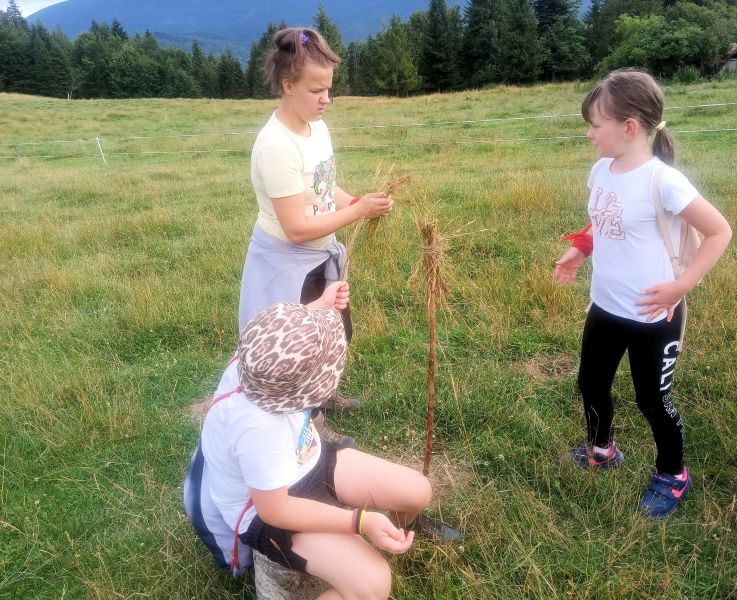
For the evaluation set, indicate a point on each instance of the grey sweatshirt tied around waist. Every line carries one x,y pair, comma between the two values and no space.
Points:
275,271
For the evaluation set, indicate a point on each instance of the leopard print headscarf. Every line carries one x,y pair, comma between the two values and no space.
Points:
290,357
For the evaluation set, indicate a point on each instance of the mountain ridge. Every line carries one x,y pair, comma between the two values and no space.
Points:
225,23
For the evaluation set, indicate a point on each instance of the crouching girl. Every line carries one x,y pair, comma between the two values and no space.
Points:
262,478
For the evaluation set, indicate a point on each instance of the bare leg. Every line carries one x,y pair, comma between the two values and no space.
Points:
351,566
366,481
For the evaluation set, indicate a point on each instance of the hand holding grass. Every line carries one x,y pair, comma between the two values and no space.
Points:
384,534
375,204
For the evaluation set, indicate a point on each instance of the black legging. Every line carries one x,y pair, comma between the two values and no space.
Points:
313,288
653,349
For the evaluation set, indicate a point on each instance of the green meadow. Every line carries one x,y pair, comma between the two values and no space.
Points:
119,286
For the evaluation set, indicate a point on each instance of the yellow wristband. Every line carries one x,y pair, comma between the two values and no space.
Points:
360,521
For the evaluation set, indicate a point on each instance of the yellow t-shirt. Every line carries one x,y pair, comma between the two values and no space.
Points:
285,164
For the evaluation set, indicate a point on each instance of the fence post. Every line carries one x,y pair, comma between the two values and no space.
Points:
99,145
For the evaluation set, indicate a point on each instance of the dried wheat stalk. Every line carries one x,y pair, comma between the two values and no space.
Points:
389,183
435,290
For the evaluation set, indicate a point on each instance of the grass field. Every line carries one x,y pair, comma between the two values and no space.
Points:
119,287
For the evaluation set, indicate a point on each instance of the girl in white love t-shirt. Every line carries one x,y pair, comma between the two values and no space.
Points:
636,301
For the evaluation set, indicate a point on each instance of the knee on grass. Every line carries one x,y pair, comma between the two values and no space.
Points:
372,580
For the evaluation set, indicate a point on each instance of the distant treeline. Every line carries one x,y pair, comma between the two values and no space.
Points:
441,49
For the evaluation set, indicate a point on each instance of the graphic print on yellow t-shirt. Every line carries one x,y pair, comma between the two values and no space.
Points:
607,218
324,174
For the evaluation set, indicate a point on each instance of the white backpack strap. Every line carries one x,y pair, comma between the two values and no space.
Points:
684,239
662,220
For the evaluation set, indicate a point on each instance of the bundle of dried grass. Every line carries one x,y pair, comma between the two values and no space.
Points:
396,182
390,183
433,262
438,275
436,289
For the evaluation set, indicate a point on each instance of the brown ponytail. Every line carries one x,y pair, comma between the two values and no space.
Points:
663,146
291,48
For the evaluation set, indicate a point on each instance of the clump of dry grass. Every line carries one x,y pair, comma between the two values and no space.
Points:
390,183
543,368
434,262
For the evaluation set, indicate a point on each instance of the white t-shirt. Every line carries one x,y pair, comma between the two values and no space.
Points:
629,255
285,164
246,447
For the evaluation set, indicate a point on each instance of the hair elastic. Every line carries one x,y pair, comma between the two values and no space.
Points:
660,126
303,38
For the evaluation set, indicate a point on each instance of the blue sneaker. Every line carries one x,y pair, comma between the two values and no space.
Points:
665,494
587,456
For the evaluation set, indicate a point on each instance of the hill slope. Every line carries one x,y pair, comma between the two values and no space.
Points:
221,23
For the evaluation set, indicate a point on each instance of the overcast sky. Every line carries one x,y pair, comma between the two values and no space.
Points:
28,7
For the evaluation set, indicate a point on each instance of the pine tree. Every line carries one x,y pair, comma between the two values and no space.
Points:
60,62
14,16
521,45
15,56
596,37
549,11
204,71
39,75
455,43
50,62
441,47
394,73
230,76
565,53
149,43
482,50
92,56
331,33
356,64
116,28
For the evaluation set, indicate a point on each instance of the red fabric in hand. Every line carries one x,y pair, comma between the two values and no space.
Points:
582,240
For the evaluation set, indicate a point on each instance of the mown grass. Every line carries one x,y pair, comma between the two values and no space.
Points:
119,285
